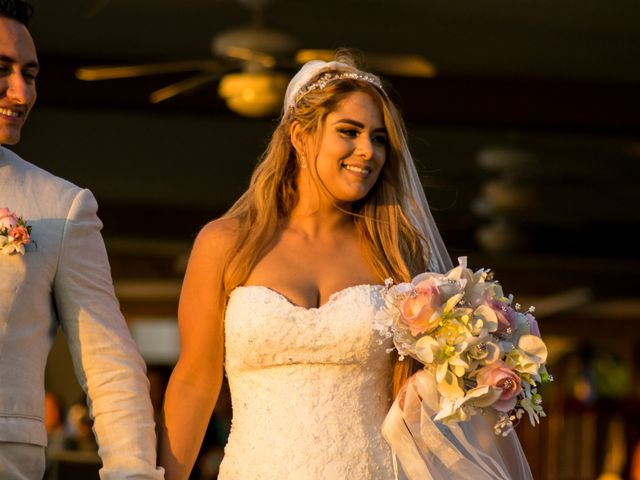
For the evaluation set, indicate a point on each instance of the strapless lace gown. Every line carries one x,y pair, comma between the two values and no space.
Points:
309,387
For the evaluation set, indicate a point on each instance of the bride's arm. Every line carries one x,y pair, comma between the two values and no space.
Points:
197,377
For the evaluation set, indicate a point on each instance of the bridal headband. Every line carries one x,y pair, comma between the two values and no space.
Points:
329,72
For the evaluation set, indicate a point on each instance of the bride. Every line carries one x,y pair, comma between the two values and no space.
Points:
281,292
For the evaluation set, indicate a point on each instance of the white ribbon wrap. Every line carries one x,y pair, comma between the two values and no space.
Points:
429,450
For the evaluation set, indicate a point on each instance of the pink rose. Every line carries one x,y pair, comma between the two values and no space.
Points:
499,375
7,219
418,310
20,234
506,315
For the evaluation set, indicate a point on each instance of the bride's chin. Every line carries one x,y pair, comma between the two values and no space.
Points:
347,197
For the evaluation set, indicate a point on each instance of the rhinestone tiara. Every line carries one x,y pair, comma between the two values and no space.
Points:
329,77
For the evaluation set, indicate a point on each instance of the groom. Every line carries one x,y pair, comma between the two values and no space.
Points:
61,277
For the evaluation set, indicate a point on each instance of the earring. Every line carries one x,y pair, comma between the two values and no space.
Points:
303,162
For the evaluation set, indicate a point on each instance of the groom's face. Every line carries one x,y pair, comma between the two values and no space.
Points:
18,71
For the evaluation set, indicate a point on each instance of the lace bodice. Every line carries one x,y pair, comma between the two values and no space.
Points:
310,387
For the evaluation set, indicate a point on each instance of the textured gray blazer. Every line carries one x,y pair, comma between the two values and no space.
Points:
64,278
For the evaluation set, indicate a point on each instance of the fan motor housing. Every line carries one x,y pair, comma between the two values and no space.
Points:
259,39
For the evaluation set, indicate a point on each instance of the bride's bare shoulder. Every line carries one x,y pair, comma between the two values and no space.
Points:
222,229
217,237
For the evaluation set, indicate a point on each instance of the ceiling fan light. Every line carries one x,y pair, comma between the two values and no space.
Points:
254,94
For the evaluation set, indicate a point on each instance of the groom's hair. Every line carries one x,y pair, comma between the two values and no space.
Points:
16,9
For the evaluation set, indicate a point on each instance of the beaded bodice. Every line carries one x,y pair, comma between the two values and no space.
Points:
310,387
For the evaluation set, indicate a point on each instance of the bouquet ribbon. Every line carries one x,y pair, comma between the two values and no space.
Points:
430,450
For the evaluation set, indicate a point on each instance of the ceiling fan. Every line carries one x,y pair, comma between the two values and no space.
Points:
254,64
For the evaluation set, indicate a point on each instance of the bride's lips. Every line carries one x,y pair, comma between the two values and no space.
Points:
362,171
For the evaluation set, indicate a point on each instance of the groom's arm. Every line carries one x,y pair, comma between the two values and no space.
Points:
106,360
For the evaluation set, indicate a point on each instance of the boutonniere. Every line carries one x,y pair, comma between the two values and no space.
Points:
14,233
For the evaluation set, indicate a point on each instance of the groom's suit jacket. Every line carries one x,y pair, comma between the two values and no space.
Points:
64,279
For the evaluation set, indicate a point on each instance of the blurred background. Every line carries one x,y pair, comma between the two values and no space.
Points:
523,116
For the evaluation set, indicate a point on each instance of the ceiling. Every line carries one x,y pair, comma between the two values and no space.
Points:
570,39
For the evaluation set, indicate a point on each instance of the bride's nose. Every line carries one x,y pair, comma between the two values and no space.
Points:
364,147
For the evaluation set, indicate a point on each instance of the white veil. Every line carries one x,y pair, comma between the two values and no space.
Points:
427,449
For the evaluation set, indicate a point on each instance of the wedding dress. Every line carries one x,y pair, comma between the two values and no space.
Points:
310,388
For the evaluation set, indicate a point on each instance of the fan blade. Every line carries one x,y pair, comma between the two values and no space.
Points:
404,65
306,55
124,71
177,88
248,55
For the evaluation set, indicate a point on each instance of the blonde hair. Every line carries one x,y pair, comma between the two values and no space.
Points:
393,245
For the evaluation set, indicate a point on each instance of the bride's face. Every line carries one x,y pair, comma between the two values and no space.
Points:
352,149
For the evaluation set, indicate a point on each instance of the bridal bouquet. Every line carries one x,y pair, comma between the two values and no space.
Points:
482,349
14,232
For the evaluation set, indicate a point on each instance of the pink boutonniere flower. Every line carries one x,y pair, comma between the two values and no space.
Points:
14,233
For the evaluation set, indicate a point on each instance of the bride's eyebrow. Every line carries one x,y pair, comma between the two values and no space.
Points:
355,123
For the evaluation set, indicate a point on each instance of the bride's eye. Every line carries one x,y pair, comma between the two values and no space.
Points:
380,139
349,132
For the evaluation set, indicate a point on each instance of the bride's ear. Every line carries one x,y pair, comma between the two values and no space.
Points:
298,138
